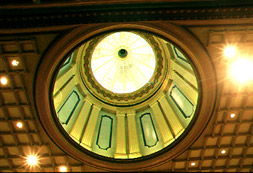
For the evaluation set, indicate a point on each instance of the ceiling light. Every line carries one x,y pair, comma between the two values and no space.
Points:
63,168
193,164
242,70
14,62
19,125
223,151
230,51
3,80
32,160
232,115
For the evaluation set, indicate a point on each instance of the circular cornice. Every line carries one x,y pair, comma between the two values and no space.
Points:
198,58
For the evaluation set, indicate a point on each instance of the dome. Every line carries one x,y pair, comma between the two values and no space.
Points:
125,95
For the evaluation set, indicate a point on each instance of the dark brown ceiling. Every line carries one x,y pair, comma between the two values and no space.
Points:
28,34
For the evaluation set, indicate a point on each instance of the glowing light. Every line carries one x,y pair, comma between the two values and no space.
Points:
230,51
242,70
63,169
232,115
32,160
19,125
14,62
123,65
223,151
193,164
3,80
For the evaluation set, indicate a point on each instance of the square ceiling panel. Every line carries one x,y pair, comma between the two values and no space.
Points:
240,140
229,128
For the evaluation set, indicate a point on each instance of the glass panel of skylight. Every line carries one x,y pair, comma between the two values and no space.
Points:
121,73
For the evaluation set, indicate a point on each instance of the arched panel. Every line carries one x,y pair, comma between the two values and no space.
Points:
104,136
180,58
148,130
179,55
67,109
182,102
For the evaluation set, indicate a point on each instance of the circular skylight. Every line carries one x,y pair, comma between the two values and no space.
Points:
123,62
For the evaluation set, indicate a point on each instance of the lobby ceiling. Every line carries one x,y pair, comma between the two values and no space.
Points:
226,144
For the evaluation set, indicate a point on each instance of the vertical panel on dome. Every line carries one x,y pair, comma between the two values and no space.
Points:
90,128
81,121
162,124
189,91
63,93
148,130
134,148
68,107
62,79
121,136
175,124
182,102
188,75
104,136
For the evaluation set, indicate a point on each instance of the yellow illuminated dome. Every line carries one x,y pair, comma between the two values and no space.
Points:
125,95
123,62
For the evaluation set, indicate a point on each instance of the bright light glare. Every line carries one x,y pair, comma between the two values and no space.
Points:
242,70
232,115
230,51
19,124
123,75
4,80
223,151
32,160
63,169
193,164
14,62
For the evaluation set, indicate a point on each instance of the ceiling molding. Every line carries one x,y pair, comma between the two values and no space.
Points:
84,15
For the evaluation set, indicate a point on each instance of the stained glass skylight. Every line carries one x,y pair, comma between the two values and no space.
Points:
123,62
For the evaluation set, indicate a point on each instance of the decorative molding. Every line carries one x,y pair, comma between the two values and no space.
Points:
242,36
18,47
99,15
127,99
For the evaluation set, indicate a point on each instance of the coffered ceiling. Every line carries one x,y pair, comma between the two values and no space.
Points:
226,144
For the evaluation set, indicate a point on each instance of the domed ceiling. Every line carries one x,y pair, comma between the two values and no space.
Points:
126,95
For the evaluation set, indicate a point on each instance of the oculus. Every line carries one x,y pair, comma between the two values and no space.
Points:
123,62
